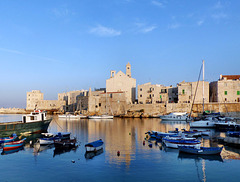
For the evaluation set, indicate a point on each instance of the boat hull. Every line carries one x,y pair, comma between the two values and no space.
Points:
201,150
203,124
7,129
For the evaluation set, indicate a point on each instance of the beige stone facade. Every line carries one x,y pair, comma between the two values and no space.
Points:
121,82
149,94
71,99
35,100
186,92
226,89
113,103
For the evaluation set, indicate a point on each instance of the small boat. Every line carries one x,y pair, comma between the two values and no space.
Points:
94,146
36,122
159,135
8,139
65,144
71,116
101,117
176,116
49,138
175,142
13,145
208,122
227,125
201,150
233,134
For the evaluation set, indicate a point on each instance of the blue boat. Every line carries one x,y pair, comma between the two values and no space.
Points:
201,150
175,142
233,134
8,139
13,145
94,146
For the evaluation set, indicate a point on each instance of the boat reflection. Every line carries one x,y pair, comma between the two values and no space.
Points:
91,155
37,148
11,151
184,156
64,150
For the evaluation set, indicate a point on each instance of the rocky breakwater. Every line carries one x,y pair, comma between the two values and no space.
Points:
12,111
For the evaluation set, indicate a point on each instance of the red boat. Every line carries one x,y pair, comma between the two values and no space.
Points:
13,145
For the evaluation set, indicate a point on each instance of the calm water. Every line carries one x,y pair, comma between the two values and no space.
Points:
136,162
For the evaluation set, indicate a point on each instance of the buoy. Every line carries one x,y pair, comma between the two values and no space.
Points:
129,133
73,161
143,142
118,153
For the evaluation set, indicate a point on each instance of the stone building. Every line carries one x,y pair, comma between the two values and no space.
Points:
35,100
226,89
150,94
71,99
121,82
186,92
113,103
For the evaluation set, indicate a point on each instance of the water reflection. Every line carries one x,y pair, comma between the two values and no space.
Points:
62,151
6,152
91,155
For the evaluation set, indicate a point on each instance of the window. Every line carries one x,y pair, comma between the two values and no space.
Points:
140,95
225,92
140,89
238,92
160,96
183,91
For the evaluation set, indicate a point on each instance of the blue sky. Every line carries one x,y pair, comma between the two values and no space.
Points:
59,45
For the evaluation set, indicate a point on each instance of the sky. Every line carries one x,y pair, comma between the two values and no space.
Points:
60,45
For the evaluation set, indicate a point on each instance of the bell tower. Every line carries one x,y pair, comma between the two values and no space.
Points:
128,70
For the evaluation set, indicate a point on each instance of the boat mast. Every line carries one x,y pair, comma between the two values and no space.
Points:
203,85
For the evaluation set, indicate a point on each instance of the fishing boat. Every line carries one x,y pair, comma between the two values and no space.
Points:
49,138
8,139
201,150
13,145
209,122
94,146
101,117
65,144
35,122
176,116
175,142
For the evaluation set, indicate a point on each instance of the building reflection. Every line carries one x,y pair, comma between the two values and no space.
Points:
121,134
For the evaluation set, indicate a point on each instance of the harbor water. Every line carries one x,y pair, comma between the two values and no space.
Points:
136,162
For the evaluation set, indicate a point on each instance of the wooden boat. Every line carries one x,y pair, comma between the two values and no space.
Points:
8,139
13,145
175,142
94,146
36,122
49,138
201,150
66,143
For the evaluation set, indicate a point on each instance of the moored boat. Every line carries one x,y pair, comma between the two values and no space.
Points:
175,142
201,150
49,138
101,117
13,145
36,122
65,144
94,146
176,116
8,139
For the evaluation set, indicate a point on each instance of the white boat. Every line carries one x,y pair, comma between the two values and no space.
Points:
94,146
176,116
101,117
71,116
209,122
175,142
49,138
